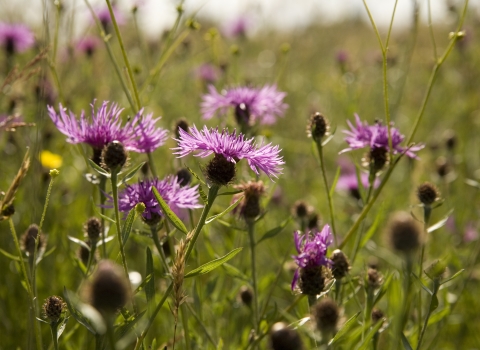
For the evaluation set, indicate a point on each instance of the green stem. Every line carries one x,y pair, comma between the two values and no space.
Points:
406,298
212,194
251,234
54,328
125,58
91,256
103,183
327,189
427,210
436,286
110,333
430,29
151,165
45,206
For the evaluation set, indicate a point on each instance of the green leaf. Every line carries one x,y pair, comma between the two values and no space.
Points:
8,255
128,224
275,231
437,317
150,285
211,265
383,289
335,180
202,194
97,212
472,183
229,225
61,326
79,242
94,322
453,277
439,224
371,231
194,174
234,272
130,174
405,343
433,303
228,193
128,324
107,239
99,169
226,211
366,341
169,214
352,321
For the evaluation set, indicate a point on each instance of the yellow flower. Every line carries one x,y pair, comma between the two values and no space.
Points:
50,160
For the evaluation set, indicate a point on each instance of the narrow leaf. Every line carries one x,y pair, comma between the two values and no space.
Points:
128,224
275,231
437,317
76,313
453,277
194,174
371,231
98,168
405,343
211,265
228,193
352,321
107,239
10,256
235,273
229,225
202,194
366,341
383,289
226,211
79,242
97,212
169,214
441,223
131,174
61,327
335,180
150,285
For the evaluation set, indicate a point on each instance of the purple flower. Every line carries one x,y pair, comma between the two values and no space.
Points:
312,250
138,135
207,73
104,16
232,146
88,45
176,196
15,37
363,135
252,104
348,180
237,28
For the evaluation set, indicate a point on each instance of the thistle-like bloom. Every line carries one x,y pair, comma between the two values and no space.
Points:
208,73
105,18
137,135
175,195
312,250
251,104
233,147
16,37
237,28
88,45
362,135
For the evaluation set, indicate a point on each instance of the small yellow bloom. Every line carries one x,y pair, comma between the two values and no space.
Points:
50,160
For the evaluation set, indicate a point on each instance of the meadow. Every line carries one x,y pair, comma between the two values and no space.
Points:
314,189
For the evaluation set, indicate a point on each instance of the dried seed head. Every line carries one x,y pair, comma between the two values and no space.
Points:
377,315
220,171
341,266
326,315
284,338
53,308
109,289
427,193
184,177
250,205
405,232
93,229
246,295
28,240
114,156
374,278
312,280
317,127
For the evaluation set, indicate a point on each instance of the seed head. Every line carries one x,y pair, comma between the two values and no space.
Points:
53,308
93,229
374,278
114,156
326,315
376,159
404,232
246,295
377,315
250,205
341,266
109,290
28,240
318,127
312,280
184,177
284,338
220,171
427,193
301,209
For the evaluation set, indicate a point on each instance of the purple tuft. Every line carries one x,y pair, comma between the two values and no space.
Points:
16,37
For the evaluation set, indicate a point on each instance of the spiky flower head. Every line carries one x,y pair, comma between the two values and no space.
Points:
139,134
340,264
28,240
109,289
15,37
326,315
427,193
53,308
178,197
362,135
374,278
249,208
301,209
114,156
229,147
317,127
184,177
282,338
312,250
404,232
251,105
88,45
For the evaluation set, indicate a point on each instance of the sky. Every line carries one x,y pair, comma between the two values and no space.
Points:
158,15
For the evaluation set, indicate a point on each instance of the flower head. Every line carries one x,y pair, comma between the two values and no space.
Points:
207,73
311,250
251,104
233,147
237,28
88,45
105,18
362,135
137,135
175,195
16,37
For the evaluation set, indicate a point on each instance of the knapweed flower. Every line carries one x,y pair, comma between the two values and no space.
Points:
178,197
88,45
312,255
207,73
237,27
362,135
229,148
105,18
251,105
137,135
15,37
